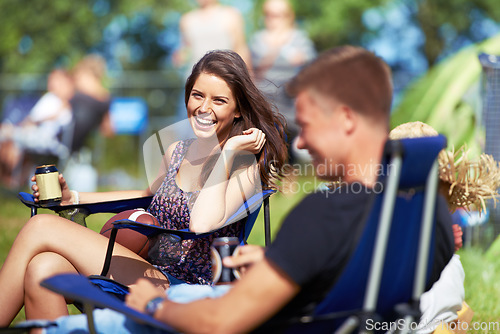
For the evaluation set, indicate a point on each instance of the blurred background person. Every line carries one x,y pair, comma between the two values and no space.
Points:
91,101
278,51
210,26
39,131
75,105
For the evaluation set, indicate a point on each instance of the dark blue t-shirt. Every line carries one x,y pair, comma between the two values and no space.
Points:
319,235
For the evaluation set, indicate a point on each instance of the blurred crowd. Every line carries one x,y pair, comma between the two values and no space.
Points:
76,101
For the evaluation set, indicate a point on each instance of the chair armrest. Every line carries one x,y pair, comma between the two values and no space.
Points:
79,288
153,230
90,208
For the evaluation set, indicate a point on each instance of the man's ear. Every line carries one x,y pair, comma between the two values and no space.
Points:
349,118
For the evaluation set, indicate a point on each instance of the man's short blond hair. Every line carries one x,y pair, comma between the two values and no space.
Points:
352,76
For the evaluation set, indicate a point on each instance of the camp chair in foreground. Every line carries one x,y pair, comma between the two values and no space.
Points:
387,272
390,268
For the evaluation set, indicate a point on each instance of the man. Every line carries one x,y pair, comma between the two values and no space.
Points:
343,102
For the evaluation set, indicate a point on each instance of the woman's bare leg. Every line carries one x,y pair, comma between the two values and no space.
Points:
83,248
41,303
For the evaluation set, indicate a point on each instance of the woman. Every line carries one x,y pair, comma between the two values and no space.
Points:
278,52
222,102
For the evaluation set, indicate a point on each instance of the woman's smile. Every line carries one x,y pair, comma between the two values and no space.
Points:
204,121
211,107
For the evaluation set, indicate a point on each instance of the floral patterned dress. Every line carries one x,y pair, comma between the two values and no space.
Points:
188,260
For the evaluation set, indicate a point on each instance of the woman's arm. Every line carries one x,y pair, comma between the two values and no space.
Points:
94,197
221,196
70,197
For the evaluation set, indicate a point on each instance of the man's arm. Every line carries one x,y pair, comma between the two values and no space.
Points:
262,292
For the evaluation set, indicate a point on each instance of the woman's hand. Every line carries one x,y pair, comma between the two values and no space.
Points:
251,141
66,198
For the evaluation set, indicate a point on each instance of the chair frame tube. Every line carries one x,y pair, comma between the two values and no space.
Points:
375,275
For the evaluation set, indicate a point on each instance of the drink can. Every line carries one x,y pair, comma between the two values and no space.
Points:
49,189
222,247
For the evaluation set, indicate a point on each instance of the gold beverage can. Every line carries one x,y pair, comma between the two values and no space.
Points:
47,180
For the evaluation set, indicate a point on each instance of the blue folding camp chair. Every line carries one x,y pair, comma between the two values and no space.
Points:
387,272
249,211
390,268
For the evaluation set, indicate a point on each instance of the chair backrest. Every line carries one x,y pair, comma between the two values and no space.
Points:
391,262
15,109
250,209
129,115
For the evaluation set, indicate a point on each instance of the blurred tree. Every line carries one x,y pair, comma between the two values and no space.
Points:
139,35
37,35
329,23
450,25
444,26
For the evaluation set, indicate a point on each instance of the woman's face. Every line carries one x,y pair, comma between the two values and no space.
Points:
211,107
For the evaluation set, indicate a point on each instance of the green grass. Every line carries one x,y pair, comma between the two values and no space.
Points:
482,286
482,282
13,215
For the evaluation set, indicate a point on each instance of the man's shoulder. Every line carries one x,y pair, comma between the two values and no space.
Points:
351,193
339,205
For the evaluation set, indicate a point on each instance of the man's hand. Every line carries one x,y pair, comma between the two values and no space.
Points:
141,293
245,257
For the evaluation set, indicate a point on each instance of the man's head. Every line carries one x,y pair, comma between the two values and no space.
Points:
352,76
343,102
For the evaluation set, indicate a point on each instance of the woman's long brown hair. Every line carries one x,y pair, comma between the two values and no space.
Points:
255,110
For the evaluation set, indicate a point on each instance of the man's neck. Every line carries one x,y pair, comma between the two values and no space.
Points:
364,163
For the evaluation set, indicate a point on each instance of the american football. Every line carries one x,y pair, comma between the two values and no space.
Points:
133,240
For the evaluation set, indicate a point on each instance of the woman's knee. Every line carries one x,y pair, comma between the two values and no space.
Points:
38,224
41,228
42,220
42,266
